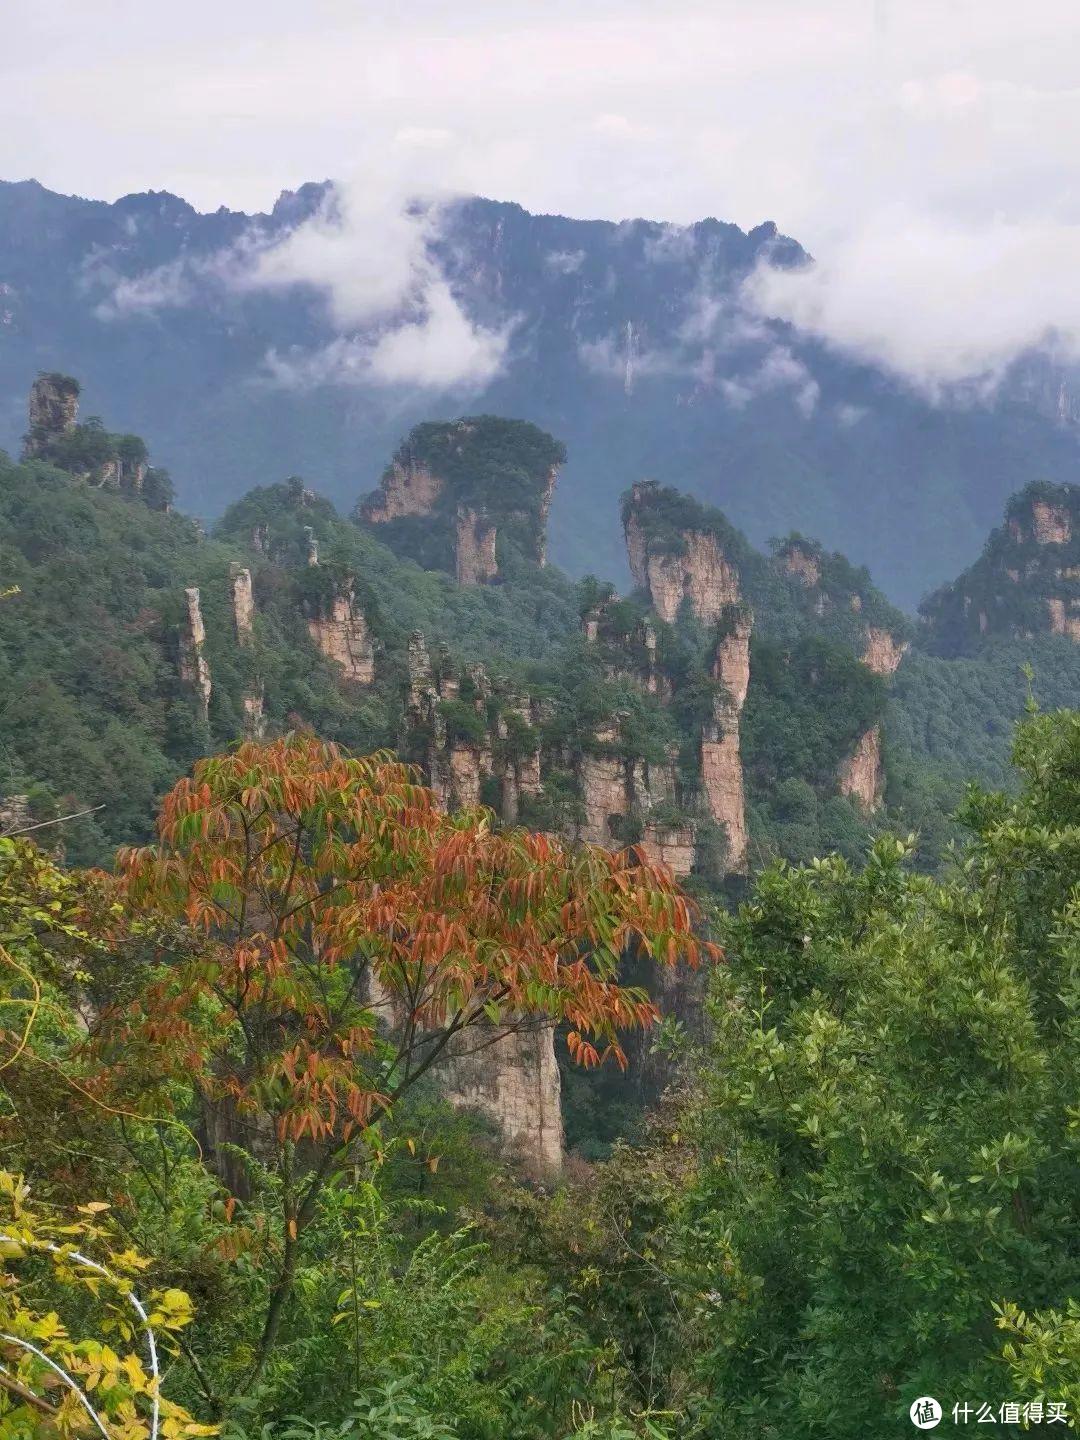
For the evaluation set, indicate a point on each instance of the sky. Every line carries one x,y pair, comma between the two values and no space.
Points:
925,151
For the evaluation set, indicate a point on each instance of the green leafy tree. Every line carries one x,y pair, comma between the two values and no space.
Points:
888,1137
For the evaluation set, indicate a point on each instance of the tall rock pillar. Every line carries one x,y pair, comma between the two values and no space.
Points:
721,754
194,666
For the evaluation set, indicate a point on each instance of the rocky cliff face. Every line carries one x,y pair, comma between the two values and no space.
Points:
861,776
474,548
513,1082
53,411
676,566
470,743
846,610
89,452
454,766
677,553
803,562
604,782
194,666
721,755
1026,582
672,845
407,488
243,603
862,773
1047,522
883,651
340,632
252,701
1065,616
14,813
457,491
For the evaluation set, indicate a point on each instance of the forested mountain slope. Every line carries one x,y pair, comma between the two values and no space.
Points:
629,342
389,1192
736,705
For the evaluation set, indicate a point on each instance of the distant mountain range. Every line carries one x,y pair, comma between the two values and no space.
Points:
629,341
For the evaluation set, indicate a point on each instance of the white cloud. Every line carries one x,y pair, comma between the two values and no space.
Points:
367,252
421,137
184,281
778,370
564,262
622,357
940,304
168,285
821,114
438,350
442,349
621,127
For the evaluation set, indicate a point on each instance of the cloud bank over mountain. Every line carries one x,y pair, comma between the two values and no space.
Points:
923,156
944,306
368,251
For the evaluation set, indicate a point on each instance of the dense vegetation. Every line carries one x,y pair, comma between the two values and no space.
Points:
1030,560
94,715
850,1182
907,486
88,450
860,1188
500,469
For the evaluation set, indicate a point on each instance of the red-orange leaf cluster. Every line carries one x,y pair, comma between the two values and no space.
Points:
351,928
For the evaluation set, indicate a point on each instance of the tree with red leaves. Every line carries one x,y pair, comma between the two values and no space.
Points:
346,930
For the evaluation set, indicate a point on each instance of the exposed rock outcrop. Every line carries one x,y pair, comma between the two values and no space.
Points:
14,813
52,412
487,738
453,767
802,562
474,548
721,757
340,632
194,666
672,845
1026,582
677,565
633,656
252,702
514,1083
619,796
604,782
243,602
1046,523
546,497
89,452
465,486
518,762
862,773
1065,617
407,488
883,651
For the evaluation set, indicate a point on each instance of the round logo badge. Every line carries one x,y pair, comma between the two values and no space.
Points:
925,1413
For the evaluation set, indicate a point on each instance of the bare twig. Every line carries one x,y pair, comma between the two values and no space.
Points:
41,824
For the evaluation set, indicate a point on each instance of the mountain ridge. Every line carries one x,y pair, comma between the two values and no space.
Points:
736,703
627,340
